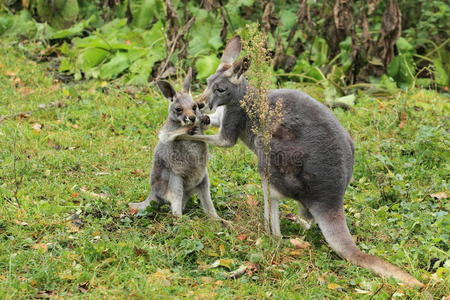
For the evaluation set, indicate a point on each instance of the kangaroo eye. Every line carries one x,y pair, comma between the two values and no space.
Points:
201,105
194,107
178,109
220,90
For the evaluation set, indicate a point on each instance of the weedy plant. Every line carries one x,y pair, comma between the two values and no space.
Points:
264,117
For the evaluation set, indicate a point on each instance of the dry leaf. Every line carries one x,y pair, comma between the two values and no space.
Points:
41,246
37,126
140,252
296,252
222,249
21,223
300,244
403,118
251,201
138,172
358,291
335,286
10,74
25,91
160,277
241,237
96,195
291,217
221,262
133,211
441,195
238,272
18,82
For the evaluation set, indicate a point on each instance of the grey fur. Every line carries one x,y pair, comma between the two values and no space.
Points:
179,167
311,160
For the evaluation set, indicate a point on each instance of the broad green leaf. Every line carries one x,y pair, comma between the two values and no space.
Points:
440,75
92,41
58,13
75,30
349,99
148,10
403,45
206,66
319,51
5,23
91,57
115,66
205,34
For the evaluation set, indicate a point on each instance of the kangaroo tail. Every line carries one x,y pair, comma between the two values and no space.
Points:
334,228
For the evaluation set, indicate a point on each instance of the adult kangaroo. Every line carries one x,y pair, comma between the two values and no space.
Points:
311,157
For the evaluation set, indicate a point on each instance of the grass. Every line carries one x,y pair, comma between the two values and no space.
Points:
68,171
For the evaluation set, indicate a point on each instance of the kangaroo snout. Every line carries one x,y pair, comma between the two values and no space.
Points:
190,119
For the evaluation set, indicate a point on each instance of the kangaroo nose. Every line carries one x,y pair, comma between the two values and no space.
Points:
192,119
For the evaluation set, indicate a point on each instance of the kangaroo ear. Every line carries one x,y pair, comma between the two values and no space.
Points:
167,89
187,81
231,51
241,66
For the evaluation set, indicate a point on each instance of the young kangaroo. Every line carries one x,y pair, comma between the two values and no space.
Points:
179,167
316,157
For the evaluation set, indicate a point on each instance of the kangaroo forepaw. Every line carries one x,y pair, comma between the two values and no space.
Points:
193,130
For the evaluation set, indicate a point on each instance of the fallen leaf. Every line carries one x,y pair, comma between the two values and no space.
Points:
84,287
73,228
251,201
300,244
41,246
222,249
18,82
221,262
296,252
441,195
25,91
47,294
358,291
138,172
160,277
241,237
66,276
74,195
10,74
335,286
96,195
21,223
238,272
140,252
403,119
133,211
37,126
291,217
207,279
321,279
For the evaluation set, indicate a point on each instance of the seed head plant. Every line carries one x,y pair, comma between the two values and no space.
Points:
263,116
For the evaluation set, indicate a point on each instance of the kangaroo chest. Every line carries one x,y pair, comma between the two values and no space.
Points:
189,160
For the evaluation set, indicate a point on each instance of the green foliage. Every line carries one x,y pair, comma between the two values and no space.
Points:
206,66
422,54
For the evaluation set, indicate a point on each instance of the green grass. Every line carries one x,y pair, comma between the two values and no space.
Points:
65,230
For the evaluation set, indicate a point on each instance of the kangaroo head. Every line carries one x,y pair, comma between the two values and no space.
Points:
226,84
182,108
